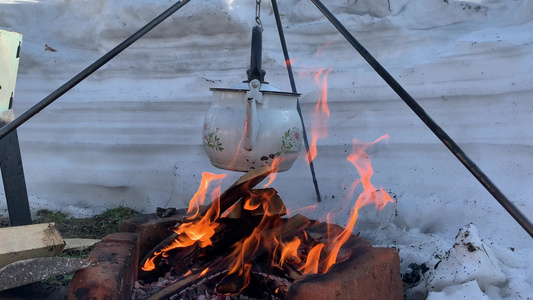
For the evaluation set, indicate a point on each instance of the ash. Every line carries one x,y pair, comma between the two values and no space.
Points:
262,287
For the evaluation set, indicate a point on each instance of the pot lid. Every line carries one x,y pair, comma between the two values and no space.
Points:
265,89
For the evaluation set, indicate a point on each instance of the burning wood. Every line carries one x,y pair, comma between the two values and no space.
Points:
218,266
200,225
230,239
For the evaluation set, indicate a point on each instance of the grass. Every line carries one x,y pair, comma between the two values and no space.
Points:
91,228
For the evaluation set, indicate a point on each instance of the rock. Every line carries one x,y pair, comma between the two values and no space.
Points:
36,269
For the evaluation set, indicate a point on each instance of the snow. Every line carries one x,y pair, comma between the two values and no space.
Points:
130,134
477,259
468,290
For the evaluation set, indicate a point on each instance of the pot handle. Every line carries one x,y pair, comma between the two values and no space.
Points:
255,71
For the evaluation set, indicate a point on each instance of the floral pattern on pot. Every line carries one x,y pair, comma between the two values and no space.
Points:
211,140
291,141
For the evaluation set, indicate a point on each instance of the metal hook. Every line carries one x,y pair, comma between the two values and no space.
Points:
258,13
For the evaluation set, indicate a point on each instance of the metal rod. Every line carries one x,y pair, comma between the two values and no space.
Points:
439,132
293,87
89,70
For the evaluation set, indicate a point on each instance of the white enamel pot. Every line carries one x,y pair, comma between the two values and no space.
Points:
253,124
250,126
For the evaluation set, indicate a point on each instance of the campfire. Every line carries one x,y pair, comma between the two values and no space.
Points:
243,242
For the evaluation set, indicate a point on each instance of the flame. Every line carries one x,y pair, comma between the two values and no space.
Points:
289,252
242,252
198,230
323,99
313,259
203,272
275,165
370,195
264,235
291,61
319,128
319,50
322,256
302,210
149,264
199,196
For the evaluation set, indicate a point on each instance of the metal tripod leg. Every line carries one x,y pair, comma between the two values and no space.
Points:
434,127
18,205
293,87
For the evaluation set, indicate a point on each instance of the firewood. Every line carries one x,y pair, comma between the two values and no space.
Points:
236,191
228,232
158,247
293,225
292,272
215,257
275,204
235,211
233,283
255,198
213,268
29,241
228,198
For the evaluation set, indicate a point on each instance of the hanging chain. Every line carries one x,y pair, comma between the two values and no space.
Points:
258,13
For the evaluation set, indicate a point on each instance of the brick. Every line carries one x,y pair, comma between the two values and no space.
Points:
151,229
369,274
116,260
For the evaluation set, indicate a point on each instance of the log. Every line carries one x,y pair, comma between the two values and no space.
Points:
228,198
230,232
275,207
294,225
236,191
214,268
289,228
29,241
227,233
231,283
292,272
256,198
